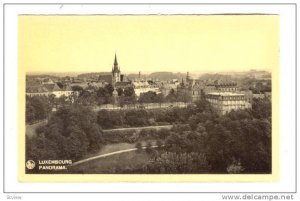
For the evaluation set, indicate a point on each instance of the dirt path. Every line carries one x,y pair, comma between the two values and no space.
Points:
108,154
140,128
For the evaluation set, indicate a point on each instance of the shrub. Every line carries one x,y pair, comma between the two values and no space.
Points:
148,145
159,143
138,145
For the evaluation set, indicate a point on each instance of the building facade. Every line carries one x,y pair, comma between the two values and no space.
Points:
141,87
48,90
224,102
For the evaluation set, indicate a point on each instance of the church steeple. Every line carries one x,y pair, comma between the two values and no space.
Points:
116,72
116,61
116,65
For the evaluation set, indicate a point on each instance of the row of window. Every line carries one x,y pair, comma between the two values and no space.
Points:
226,97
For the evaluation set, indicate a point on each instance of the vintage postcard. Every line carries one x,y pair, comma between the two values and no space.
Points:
165,98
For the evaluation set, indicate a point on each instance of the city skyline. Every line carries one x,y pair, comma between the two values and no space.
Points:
161,43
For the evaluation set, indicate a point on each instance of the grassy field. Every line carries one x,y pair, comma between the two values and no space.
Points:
117,147
31,128
120,163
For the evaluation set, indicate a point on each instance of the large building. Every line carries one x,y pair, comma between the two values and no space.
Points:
36,88
224,102
224,96
143,86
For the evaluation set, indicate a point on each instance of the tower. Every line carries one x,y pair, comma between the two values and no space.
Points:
187,76
116,72
115,96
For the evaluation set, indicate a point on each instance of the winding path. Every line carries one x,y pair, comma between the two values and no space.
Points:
140,128
109,154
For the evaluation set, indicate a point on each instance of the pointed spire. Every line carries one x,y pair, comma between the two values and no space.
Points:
116,67
116,61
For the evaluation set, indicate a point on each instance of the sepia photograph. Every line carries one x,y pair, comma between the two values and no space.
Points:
148,94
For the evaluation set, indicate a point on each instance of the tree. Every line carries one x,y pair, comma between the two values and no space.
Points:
109,119
37,108
174,142
159,143
95,138
52,100
193,121
256,135
123,100
138,145
171,162
101,92
39,147
103,95
239,114
171,97
136,117
74,132
77,88
86,98
184,95
151,97
203,105
129,91
218,148
62,100
261,108
76,144
30,113
109,89
129,96
120,91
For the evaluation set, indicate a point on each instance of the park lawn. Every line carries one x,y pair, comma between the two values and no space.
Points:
117,147
31,128
119,163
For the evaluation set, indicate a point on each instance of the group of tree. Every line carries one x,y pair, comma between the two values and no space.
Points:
201,141
91,95
103,95
142,117
71,133
94,95
40,107
182,95
261,87
37,108
151,97
238,142
129,118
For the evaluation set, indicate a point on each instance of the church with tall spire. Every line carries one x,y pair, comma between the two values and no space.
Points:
115,78
116,72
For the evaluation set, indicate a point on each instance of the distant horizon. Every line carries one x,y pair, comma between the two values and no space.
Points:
148,72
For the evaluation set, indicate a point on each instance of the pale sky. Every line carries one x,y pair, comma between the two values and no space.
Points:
177,43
